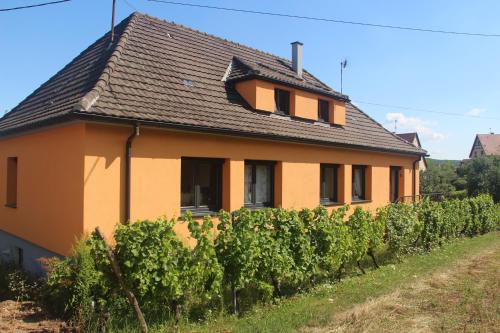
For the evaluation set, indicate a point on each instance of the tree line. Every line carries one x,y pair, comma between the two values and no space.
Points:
458,179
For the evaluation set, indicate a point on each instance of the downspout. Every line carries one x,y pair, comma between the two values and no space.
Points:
128,159
414,193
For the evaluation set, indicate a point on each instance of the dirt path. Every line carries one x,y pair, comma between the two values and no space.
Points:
21,317
463,298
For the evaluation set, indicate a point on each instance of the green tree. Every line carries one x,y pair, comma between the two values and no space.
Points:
439,177
483,176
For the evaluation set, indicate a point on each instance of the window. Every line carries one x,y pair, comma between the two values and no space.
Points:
282,100
201,184
259,184
323,110
328,183
18,256
358,182
394,183
11,182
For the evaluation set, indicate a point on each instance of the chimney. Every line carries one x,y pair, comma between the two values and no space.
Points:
297,58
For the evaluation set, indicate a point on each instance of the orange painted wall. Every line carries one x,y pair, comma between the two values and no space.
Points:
50,187
260,95
304,105
104,187
337,112
71,178
156,164
296,189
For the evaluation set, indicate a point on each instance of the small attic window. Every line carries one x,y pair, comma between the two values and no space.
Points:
282,101
323,110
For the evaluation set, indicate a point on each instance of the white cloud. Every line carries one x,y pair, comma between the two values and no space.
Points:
474,112
413,124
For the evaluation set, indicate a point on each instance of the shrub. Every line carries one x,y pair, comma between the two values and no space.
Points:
237,248
482,215
377,233
256,255
359,224
402,227
155,264
286,252
330,239
204,271
72,284
455,214
431,215
18,285
497,215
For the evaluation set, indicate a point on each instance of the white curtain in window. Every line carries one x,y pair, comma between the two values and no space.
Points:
248,184
263,182
357,183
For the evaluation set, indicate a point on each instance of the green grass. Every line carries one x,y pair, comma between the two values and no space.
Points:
317,306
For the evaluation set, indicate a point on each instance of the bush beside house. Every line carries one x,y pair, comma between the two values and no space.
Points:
256,256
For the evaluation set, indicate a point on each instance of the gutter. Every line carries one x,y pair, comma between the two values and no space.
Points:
231,132
84,116
128,159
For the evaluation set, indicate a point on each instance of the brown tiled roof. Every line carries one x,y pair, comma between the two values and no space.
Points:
490,143
407,136
410,137
163,74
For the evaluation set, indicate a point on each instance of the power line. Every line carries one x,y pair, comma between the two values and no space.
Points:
424,110
32,6
311,18
130,5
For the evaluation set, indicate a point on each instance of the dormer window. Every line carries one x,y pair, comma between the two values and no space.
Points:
282,101
323,110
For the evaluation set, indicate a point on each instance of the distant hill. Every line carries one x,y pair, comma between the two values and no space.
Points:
438,162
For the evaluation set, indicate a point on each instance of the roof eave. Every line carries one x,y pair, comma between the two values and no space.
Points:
86,116
213,130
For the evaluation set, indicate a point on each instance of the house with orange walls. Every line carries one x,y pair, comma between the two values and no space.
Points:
166,119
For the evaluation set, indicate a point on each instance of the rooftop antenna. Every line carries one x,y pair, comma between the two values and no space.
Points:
343,64
113,22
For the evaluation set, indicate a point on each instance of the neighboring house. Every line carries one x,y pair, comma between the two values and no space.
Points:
168,119
485,144
414,140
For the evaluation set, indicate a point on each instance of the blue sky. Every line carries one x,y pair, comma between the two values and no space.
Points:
426,71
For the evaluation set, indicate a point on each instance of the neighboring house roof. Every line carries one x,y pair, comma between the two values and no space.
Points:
163,74
489,142
409,137
412,138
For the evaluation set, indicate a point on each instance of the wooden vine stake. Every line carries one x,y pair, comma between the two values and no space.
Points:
116,269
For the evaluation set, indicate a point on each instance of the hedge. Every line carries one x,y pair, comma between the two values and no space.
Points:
255,256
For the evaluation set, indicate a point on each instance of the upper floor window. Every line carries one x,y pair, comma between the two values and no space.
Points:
282,101
201,184
259,183
358,182
323,110
11,195
328,183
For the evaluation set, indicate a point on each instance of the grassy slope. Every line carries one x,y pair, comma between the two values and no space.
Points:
319,307
316,308
460,298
